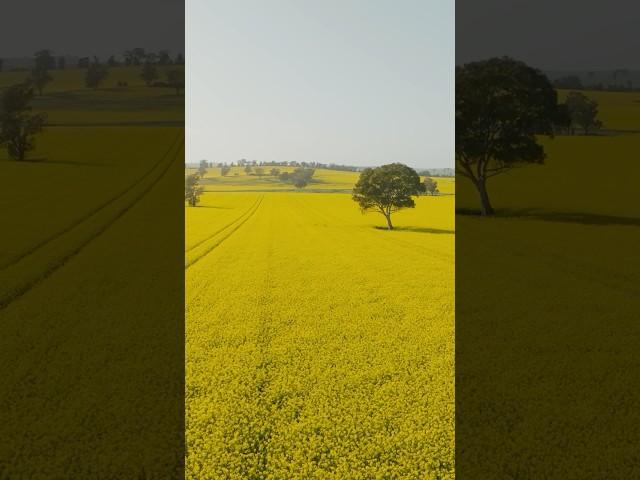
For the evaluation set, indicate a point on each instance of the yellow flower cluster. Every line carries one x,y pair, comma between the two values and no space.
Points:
317,346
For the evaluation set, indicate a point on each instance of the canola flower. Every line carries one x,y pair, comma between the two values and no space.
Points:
318,347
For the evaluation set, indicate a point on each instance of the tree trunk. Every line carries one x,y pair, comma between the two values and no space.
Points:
389,224
485,203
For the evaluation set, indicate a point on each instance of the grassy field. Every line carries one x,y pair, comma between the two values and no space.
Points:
318,346
79,340
549,310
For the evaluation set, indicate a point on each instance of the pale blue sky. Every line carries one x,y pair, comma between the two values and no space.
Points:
345,81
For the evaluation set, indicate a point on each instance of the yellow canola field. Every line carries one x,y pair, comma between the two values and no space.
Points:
318,346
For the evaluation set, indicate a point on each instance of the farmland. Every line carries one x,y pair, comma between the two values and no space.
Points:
549,311
317,345
80,333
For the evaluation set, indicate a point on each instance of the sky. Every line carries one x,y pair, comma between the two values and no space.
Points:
565,35
86,27
355,82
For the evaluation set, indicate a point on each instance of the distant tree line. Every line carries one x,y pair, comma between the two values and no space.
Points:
332,166
435,172
438,172
133,57
44,62
620,81
137,57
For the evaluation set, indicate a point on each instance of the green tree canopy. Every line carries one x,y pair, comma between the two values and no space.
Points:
583,111
149,73
501,105
387,189
431,186
96,73
192,189
18,126
175,78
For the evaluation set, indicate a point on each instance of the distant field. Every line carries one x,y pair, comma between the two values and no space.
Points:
324,180
318,344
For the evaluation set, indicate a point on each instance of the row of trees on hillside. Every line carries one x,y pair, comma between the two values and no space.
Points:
619,81
97,71
133,57
255,163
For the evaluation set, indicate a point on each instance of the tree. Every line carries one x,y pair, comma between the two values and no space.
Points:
149,73
138,56
275,172
193,189
562,121
387,189
44,62
583,111
128,57
501,105
248,169
40,79
202,169
301,177
18,125
62,63
179,59
96,73
84,62
259,171
175,78
164,58
112,62
431,186
224,170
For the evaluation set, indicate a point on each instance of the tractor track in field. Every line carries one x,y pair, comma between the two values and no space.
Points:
216,244
87,216
220,230
13,294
